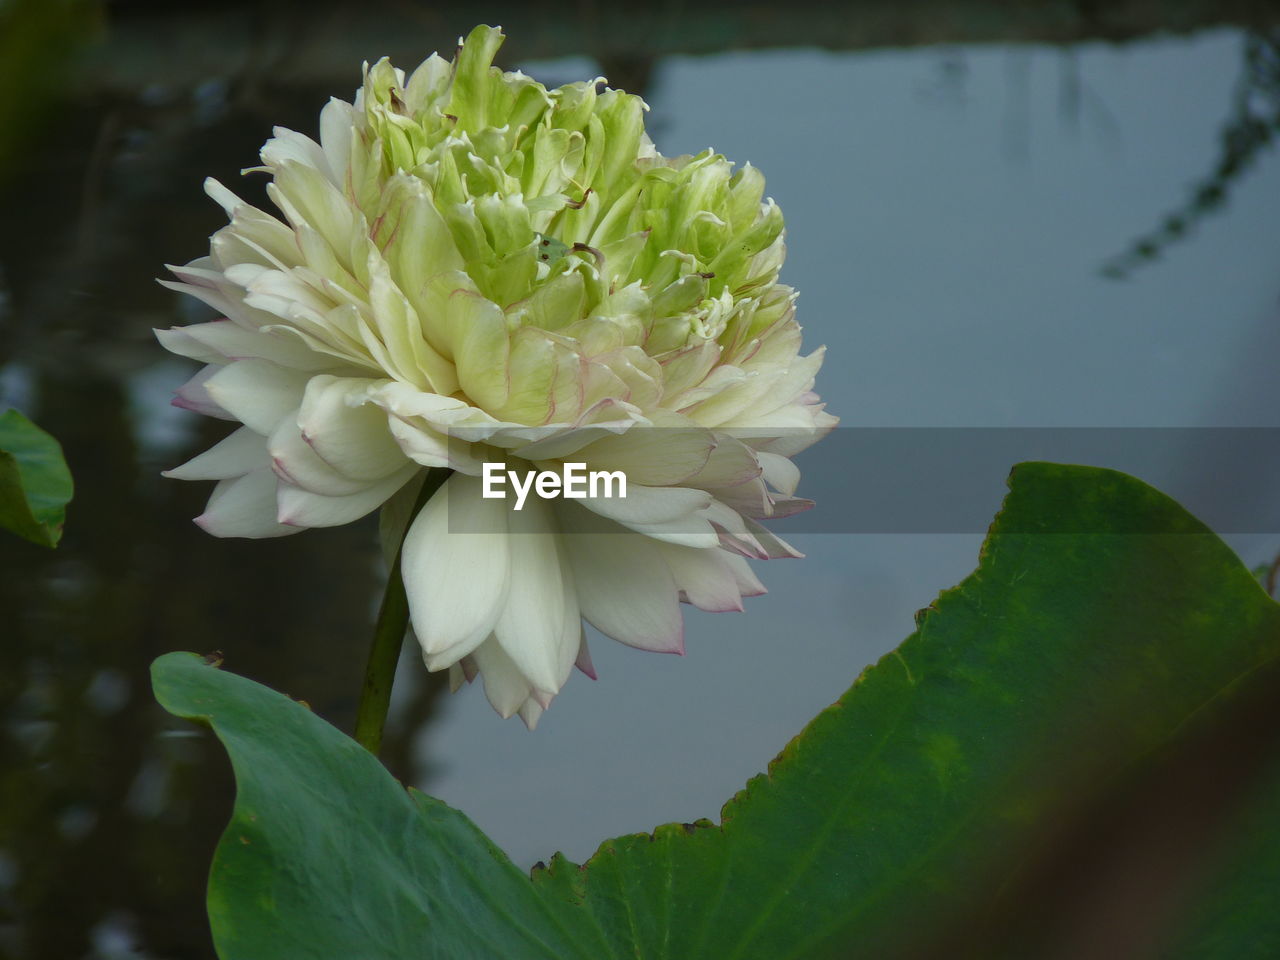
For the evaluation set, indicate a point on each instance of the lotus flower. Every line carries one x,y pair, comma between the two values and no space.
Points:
470,269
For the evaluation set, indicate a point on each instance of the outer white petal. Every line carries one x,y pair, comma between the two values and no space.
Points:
531,712
650,504
705,577
748,538
749,584
289,145
693,531
624,587
780,472
457,581
406,401
257,393
731,463
180,341
296,463
301,508
775,547
347,430
207,286
335,138
194,395
583,662
234,342
657,456
456,677
531,628
233,456
504,684
425,446
558,442
244,507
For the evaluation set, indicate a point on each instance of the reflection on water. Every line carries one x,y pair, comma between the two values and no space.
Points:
1250,128
109,810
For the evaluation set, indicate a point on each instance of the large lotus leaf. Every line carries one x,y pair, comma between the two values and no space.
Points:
1102,622
1234,910
35,485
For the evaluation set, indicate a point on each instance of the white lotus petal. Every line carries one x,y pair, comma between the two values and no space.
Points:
624,588
335,138
504,684
257,393
730,464
194,395
297,464
233,342
347,430
654,456
179,340
431,449
456,677
244,507
583,661
289,145
404,400
775,547
531,712
789,507
457,581
750,499
302,508
692,531
531,627
222,196
780,472
704,577
749,584
649,505
562,443
235,455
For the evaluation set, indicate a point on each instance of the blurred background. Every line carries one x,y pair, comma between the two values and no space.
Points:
998,215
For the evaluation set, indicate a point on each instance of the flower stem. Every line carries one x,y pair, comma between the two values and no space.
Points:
388,636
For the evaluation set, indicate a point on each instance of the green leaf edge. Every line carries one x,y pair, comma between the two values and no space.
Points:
35,483
565,882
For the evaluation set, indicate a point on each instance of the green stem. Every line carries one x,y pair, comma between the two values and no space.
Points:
388,636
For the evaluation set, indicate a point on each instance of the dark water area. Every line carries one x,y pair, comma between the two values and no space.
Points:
110,809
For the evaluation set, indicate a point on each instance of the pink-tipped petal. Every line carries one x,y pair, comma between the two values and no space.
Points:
348,431
583,662
194,395
780,472
705,577
295,462
625,589
244,507
749,584
302,508
257,393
